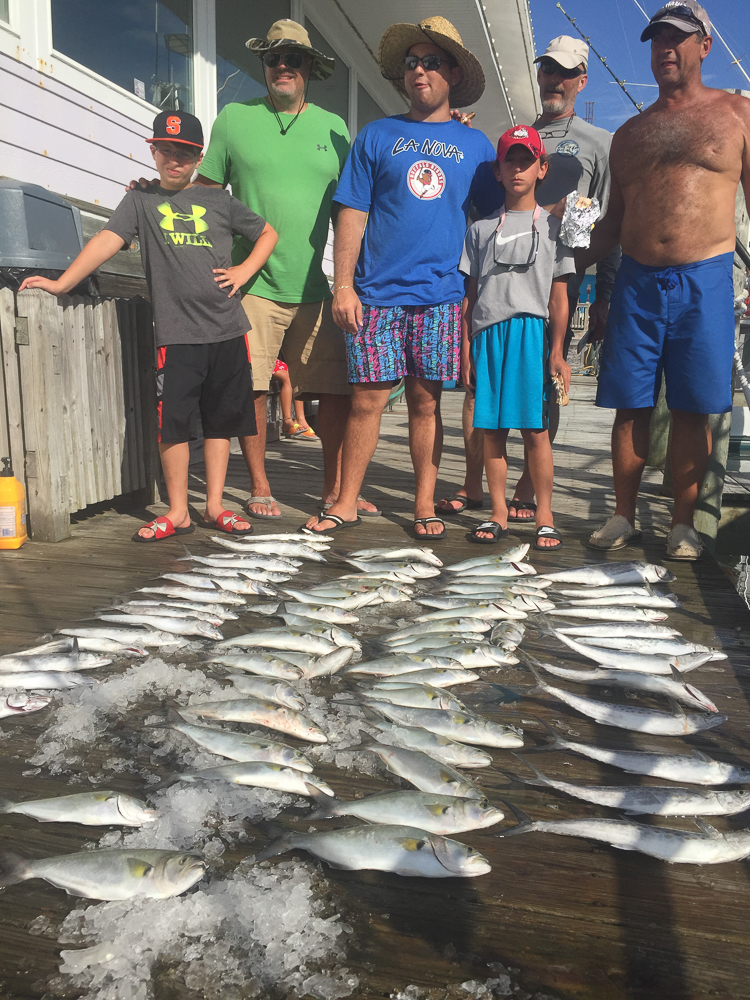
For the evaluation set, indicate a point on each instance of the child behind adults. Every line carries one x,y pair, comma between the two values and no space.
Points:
294,421
515,314
200,327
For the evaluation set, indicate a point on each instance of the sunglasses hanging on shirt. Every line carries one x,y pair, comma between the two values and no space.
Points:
506,248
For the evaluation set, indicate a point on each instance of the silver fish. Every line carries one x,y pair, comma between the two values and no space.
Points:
403,850
70,644
103,808
481,655
394,666
508,635
432,626
417,570
139,637
236,562
135,609
190,580
56,662
653,800
331,663
624,660
410,555
290,639
310,538
268,690
439,677
22,704
637,629
343,603
298,550
438,747
498,570
654,647
417,696
639,720
259,774
335,616
604,574
612,614
236,746
456,726
163,623
697,768
441,814
590,593
675,846
260,713
247,586
262,664
668,687
210,609
515,554
483,612
192,594
43,680
426,773
110,874
652,601
485,589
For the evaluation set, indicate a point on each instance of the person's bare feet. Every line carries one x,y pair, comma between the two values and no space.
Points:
547,543
499,517
362,505
524,514
452,506
211,514
179,519
340,511
263,509
433,528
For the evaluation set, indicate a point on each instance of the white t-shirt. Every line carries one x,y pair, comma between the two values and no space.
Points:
507,284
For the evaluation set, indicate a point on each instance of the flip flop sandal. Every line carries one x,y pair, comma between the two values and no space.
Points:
521,505
226,521
338,524
424,521
308,434
497,531
162,528
266,501
466,504
547,532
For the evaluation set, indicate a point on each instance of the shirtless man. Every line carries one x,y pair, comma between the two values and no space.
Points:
675,171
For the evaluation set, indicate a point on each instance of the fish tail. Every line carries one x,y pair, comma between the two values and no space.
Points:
325,805
525,822
540,779
13,869
556,741
172,717
279,846
6,805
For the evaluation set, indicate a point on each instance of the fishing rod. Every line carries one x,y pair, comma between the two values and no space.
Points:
602,59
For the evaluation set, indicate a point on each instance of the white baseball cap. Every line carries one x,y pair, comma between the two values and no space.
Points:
567,52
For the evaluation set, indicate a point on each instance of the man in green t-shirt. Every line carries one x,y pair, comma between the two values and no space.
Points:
283,158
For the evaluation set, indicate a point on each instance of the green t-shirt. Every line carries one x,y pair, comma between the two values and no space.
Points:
287,179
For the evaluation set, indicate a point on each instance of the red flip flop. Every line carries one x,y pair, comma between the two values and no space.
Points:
162,528
226,521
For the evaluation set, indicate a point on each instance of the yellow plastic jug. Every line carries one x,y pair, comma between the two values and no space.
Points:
12,509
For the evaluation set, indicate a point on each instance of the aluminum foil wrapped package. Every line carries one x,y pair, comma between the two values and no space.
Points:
578,221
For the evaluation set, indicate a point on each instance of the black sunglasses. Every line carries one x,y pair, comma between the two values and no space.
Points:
292,60
550,68
429,63
680,11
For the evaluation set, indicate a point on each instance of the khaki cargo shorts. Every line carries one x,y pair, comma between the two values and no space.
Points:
312,345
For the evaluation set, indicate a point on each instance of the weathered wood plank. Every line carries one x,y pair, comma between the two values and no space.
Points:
70,408
79,366
12,382
96,404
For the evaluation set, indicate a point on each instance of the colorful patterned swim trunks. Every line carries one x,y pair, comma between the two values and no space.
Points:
422,341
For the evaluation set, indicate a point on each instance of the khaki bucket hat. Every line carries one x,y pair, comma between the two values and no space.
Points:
399,38
287,33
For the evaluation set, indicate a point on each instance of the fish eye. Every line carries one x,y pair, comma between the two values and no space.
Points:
483,803
421,844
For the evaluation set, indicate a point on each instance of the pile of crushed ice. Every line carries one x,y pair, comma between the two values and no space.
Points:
261,929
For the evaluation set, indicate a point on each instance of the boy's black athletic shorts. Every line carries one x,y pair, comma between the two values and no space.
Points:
213,379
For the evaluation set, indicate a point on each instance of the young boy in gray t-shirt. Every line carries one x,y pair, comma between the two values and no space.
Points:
514,319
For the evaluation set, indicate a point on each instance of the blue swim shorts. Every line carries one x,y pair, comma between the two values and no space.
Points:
512,374
676,320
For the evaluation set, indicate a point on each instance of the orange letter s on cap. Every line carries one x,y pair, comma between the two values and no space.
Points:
173,125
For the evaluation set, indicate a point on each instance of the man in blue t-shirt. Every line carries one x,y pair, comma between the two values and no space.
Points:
411,180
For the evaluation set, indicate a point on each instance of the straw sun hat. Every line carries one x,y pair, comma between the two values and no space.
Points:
290,34
399,38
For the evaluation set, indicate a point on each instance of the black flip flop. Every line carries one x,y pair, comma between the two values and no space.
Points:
547,532
521,505
497,531
338,524
466,504
424,521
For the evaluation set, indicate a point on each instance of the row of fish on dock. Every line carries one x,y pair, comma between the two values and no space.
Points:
423,732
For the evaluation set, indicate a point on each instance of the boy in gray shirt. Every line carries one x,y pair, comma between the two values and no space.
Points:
514,319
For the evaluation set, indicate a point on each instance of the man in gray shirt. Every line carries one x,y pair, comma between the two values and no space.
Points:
579,160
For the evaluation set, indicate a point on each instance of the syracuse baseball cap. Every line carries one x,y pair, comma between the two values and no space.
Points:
521,135
177,126
567,52
687,15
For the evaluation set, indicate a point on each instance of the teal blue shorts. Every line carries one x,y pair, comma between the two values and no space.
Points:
512,374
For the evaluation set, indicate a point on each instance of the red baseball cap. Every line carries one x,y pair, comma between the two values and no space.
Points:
521,135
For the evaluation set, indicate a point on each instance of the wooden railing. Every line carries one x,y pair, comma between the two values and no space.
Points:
77,402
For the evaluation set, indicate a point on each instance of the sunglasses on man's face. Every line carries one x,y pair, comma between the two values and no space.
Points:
550,68
429,63
292,60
